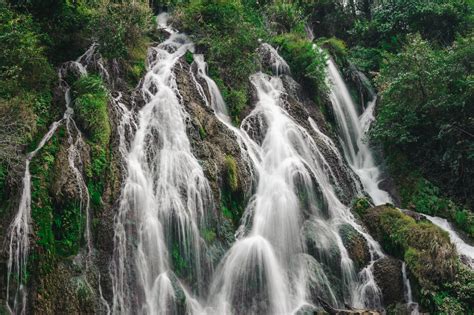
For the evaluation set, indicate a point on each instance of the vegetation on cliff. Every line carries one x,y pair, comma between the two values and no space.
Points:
417,53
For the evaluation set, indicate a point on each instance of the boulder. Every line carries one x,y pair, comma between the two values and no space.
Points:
388,276
356,246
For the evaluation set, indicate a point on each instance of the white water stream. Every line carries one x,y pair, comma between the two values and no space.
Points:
352,130
267,269
462,247
20,228
165,197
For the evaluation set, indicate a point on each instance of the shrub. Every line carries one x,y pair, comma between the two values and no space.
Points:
306,63
227,32
426,116
286,17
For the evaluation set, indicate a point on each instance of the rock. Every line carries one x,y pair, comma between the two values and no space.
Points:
331,310
356,246
388,276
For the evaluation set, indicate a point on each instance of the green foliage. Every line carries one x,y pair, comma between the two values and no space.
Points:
336,48
285,17
306,63
120,26
90,106
180,264
23,65
189,57
360,206
227,32
209,235
429,255
42,208
427,198
435,20
427,115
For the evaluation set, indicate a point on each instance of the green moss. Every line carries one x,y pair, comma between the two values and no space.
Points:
232,175
135,62
306,63
179,263
209,235
90,105
202,132
236,101
189,57
360,206
42,209
337,49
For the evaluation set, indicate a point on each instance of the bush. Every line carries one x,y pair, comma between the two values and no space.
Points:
23,64
227,32
118,27
427,115
90,105
307,65
286,17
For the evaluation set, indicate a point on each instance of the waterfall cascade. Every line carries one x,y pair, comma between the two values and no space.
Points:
20,228
285,164
352,131
165,197
412,306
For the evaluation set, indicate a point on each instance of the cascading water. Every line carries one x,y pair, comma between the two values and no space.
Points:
19,235
20,228
267,270
412,306
165,197
462,247
352,130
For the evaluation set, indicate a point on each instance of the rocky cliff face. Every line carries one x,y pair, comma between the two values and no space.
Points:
78,281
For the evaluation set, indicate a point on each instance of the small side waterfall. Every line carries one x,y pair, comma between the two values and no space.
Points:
462,247
352,131
412,306
165,198
19,235
20,228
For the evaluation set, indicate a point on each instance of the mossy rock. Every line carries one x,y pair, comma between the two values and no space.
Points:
356,246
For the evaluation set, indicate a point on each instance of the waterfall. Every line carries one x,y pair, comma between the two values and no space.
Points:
352,130
268,270
412,306
20,228
19,234
165,198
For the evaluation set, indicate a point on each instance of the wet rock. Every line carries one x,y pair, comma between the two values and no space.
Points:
320,245
211,140
388,276
349,310
356,246
301,108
